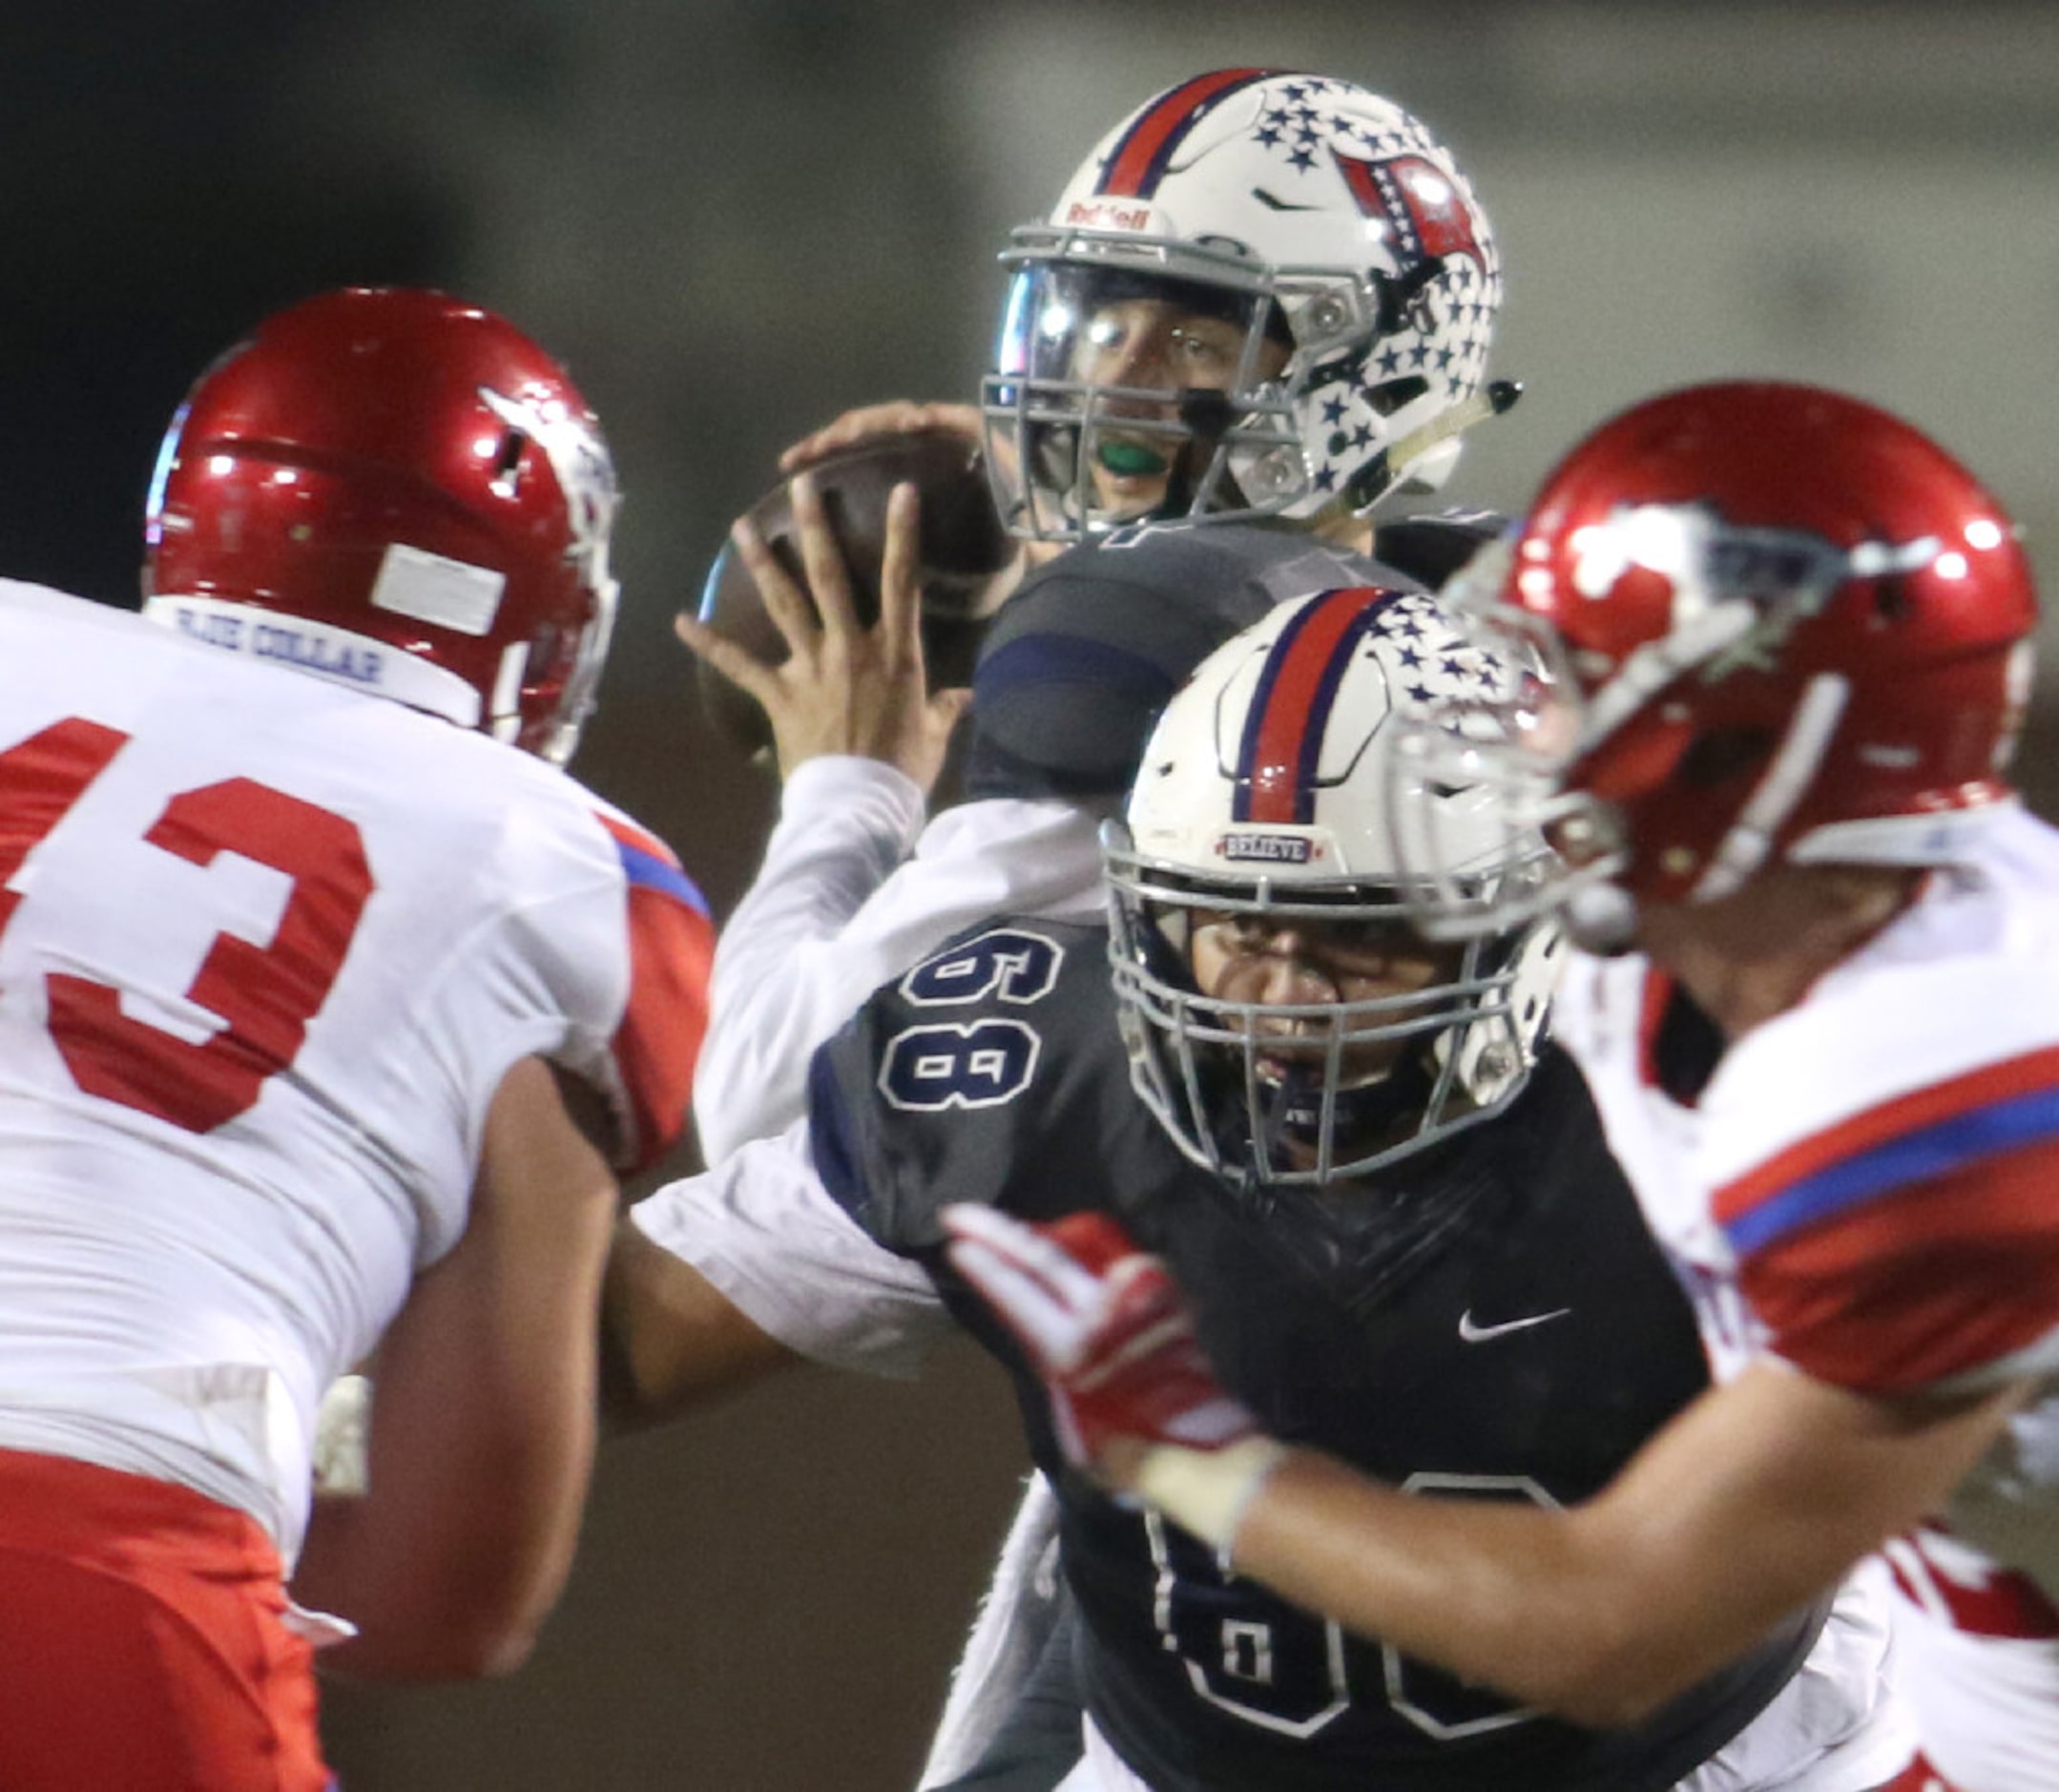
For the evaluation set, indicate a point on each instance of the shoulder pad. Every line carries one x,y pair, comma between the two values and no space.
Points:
1079,662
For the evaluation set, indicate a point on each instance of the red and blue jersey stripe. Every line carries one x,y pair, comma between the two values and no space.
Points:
1913,1139
671,949
1278,758
648,864
1915,1241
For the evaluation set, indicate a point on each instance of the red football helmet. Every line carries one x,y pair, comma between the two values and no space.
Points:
403,492
1767,621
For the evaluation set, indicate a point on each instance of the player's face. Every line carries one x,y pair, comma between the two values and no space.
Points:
1283,963
1154,345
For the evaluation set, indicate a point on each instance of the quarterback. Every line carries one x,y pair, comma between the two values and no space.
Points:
1151,374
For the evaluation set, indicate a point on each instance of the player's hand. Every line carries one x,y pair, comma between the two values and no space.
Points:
1109,1330
906,416
843,688
897,416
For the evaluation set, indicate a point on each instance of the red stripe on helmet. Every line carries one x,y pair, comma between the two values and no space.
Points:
1294,692
1139,161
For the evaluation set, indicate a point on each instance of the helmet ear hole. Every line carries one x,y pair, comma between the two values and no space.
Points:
1891,600
1402,294
1717,755
508,464
1390,395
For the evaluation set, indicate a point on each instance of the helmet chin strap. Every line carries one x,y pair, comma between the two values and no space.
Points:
1744,849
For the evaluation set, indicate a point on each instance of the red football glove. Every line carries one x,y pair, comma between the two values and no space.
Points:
1105,1325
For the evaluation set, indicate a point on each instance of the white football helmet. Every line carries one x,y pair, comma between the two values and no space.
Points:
1263,793
1332,238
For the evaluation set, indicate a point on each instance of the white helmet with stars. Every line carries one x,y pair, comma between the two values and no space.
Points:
1264,798
1330,230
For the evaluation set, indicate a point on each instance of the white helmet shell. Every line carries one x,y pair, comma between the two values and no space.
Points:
1273,760
1324,214
1265,791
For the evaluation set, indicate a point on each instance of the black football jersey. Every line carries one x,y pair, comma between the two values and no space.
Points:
1077,664
1491,1321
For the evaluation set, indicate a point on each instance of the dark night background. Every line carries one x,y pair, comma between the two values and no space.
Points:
732,220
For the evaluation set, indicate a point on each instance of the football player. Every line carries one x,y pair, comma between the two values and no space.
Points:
1408,1243
330,1007
1264,300
1311,211
1780,646
1279,286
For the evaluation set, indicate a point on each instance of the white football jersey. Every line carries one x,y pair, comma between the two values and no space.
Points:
268,948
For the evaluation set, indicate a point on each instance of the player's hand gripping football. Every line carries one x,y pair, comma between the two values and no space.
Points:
895,416
1108,1328
906,416
844,687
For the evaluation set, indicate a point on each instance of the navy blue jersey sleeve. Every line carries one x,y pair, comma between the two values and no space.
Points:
980,1076
1078,667
1078,664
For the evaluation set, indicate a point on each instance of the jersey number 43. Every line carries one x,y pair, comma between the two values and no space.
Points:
263,995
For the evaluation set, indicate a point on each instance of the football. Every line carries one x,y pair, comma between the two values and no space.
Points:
962,545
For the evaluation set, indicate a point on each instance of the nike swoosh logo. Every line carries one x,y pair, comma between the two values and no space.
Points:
1265,198
1469,1333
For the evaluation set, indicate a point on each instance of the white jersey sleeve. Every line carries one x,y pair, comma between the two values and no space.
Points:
848,897
769,1237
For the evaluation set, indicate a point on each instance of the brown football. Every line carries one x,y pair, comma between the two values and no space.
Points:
962,545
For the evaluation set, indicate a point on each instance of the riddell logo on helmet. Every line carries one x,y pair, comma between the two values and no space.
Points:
1273,848
1110,215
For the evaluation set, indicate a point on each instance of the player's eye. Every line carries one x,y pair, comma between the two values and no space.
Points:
1234,932
1105,334
1199,349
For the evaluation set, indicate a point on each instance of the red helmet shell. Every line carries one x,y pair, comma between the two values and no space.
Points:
1849,556
410,470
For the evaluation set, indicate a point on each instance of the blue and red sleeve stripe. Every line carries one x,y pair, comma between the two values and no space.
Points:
1917,1241
1927,1133
671,949
649,863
